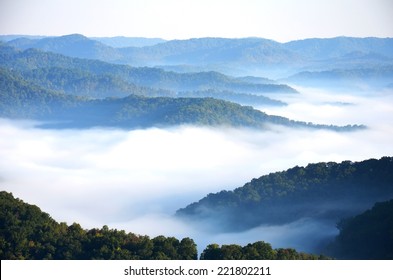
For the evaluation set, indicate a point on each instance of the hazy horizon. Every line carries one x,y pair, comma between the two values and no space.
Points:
191,38
282,21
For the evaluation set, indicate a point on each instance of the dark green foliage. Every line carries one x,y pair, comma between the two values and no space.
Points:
25,230
22,99
28,233
328,191
256,251
83,83
366,236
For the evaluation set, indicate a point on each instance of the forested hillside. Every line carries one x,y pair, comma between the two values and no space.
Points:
21,99
32,59
367,236
255,251
376,77
323,191
248,55
28,233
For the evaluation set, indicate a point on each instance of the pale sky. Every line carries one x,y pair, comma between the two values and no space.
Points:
280,20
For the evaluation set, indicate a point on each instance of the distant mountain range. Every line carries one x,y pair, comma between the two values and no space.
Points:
74,92
39,61
70,45
123,42
363,78
254,56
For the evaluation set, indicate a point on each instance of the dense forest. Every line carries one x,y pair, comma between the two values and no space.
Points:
368,236
28,233
255,251
240,98
20,98
324,191
79,93
36,64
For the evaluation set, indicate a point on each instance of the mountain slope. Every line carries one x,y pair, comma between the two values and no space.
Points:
367,236
240,98
84,83
251,56
322,49
74,45
28,233
146,77
204,51
327,191
22,99
362,77
123,42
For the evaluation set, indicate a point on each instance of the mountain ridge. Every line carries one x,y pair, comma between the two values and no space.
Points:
22,99
327,191
31,59
249,55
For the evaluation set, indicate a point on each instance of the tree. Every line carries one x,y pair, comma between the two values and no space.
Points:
187,249
259,251
212,252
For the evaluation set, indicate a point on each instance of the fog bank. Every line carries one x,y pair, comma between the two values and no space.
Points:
136,180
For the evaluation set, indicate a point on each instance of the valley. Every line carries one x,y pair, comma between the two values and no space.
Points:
163,137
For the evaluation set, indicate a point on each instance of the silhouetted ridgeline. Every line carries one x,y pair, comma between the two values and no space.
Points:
366,236
323,191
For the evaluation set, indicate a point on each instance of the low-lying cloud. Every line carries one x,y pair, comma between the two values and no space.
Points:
136,180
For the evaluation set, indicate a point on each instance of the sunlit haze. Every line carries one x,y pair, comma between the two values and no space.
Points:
281,20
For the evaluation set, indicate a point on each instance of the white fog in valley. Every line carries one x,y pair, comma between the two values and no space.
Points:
136,180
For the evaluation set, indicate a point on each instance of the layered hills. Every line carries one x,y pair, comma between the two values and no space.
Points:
55,71
28,233
22,99
74,92
231,56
